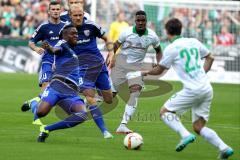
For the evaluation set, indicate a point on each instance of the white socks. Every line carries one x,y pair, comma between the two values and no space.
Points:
212,137
130,107
173,121
129,110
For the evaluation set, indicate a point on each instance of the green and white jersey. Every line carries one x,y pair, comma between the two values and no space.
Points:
184,55
134,46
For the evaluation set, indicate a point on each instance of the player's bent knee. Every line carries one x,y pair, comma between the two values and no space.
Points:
198,125
107,96
162,111
91,100
41,113
43,109
135,88
197,129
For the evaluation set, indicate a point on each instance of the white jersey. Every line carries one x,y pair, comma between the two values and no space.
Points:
184,55
135,46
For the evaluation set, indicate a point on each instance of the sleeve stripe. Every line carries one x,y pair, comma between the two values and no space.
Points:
93,23
41,25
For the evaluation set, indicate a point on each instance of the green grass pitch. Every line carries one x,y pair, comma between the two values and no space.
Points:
18,136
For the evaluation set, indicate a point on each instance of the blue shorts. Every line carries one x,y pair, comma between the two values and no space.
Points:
52,96
101,81
45,73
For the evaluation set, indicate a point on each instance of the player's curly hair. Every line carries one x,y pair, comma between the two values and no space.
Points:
140,12
64,30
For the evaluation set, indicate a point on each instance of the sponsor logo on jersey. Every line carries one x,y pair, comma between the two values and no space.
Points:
83,41
86,32
54,38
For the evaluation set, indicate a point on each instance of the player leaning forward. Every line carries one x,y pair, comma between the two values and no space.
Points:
184,55
134,43
63,86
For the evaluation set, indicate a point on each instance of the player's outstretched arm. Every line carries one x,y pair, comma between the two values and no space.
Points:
208,62
48,47
155,71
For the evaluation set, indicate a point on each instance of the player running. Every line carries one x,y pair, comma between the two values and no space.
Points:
134,43
184,55
47,31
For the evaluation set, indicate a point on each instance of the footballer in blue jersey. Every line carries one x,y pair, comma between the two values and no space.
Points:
63,85
47,31
93,69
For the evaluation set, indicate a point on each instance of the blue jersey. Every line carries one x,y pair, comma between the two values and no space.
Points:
49,32
86,49
66,62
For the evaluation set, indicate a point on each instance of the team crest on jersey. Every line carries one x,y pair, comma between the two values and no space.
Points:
86,32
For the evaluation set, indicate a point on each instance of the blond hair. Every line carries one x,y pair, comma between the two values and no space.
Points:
76,7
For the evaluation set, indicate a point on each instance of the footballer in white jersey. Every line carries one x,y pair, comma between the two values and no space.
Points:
184,55
134,43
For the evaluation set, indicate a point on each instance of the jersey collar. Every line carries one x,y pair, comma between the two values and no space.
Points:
175,38
49,21
135,31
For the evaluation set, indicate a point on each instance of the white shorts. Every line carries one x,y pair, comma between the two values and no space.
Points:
123,71
199,102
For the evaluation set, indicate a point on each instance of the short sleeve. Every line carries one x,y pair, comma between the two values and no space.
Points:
203,50
38,34
98,30
168,58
